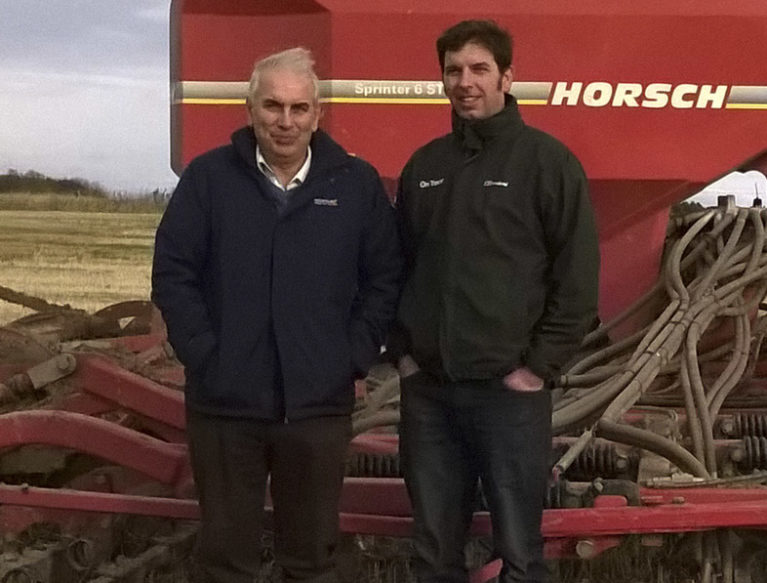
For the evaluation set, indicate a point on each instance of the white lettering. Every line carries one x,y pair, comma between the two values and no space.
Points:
326,201
376,89
656,95
561,92
434,89
680,92
714,97
597,94
652,96
430,183
627,94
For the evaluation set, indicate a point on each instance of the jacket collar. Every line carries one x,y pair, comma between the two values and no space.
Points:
474,133
326,152
327,156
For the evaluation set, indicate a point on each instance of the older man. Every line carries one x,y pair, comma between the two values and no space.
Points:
276,269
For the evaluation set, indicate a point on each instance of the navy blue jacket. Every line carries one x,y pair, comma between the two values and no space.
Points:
274,314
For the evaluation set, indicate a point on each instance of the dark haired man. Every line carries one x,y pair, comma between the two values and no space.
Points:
502,284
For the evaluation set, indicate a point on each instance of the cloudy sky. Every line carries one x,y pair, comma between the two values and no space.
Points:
84,90
744,186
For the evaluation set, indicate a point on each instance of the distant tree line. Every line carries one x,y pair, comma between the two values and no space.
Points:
34,191
35,182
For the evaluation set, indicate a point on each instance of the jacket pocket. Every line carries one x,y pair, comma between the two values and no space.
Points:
210,373
197,351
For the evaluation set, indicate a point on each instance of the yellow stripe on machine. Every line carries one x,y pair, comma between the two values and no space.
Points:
746,106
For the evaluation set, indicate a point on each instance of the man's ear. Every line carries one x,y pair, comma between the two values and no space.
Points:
507,78
248,109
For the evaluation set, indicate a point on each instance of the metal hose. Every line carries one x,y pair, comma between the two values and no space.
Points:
715,270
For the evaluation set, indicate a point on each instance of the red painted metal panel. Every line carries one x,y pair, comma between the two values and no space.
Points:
631,259
639,158
606,521
220,42
161,461
382,443
559,43
582,522
98,502
106,379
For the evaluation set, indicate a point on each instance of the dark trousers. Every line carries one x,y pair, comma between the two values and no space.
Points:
451,436
231,460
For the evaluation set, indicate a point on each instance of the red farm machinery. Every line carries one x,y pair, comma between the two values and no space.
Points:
660,450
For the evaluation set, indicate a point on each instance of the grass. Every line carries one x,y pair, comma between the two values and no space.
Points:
33,201
83,258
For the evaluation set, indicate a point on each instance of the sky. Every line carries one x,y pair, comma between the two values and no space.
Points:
84,91
745,186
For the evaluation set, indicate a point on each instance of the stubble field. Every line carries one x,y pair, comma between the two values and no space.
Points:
85,259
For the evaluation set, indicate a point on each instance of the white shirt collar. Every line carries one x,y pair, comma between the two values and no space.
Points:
295,182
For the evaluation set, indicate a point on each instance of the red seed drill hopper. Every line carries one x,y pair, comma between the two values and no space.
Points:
660,448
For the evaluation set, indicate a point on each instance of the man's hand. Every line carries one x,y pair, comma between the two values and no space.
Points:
407,366
523,379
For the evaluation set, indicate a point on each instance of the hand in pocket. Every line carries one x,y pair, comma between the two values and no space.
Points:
407,366
523,380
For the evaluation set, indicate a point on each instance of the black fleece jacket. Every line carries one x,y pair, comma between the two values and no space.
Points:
502,251
274,314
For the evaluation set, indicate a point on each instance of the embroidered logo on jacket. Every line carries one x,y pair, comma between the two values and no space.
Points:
326,201
430,183
495,183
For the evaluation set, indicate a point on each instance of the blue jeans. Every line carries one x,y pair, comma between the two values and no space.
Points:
454,434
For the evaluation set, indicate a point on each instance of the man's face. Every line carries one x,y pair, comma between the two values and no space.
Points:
284,114
473,83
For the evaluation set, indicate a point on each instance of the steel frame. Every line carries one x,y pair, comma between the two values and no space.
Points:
374,506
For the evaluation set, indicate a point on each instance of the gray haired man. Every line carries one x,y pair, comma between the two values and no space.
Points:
277,269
